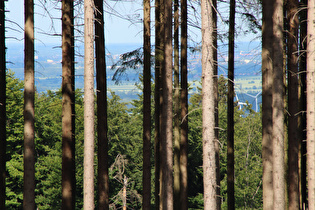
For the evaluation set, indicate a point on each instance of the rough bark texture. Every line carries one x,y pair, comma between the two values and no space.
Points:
293,108
208,106
68,112
102,126
176,110
184,110
29,93
310,104
146,179
88,182
230,111
278,107
266,67
167,113
2,107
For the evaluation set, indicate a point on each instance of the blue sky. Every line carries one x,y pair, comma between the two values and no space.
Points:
117,30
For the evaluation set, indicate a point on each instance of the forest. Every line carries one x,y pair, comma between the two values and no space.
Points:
87,149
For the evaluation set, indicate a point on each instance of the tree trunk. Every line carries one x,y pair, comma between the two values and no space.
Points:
68,112
176,110
230,111
310,104
293,97
184,110
146,182
167,113
267,68
302,104
278,107
29,93
158,98
102,126
88,182
2,107
209,106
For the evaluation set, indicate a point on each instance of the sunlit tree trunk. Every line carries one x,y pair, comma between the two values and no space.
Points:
230,111
267,67
184,110
278,107
293,97
29,93
88,182
68,112
310,104
209,106
2,107
102,126
176,109
167,113
146,181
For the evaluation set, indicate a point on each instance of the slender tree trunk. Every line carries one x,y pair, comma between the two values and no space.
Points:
293,97
230,111
208,106
267,68
88,182
158,97
68,112
310,104
29,93
146,194
302,104
2,107
278,107
184,110
177,115
167,113
102,126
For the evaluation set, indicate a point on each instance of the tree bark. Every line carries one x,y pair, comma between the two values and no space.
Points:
293,97
230,111
68,107
209,106
146,194
177,115
184,110
102,126
2,107
167,113
310,104
158,97
278,107
267,68
29,93
88,182
302,105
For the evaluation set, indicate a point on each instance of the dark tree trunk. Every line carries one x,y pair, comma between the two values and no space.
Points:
302,100
177,115
29,93
146,194
2,107
230,111
68,104
158,98
184,110
293,97
102,126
